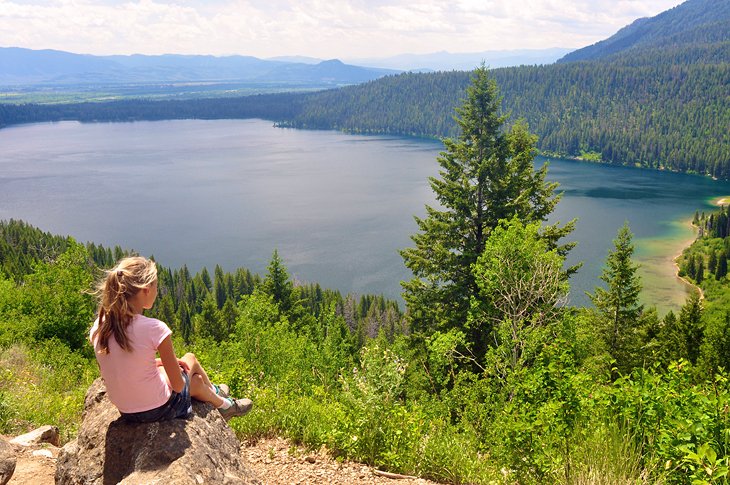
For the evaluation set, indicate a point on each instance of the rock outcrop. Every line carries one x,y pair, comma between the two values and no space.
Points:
44,434
7,461
200,449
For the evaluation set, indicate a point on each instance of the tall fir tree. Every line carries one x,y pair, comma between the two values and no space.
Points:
700,269
219,287
721,270
690,327
277,284
486,175
712,262
618,311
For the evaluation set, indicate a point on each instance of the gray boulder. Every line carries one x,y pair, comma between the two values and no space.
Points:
44,434
7,461
200,449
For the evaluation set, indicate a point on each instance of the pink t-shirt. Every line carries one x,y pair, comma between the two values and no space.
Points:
133,381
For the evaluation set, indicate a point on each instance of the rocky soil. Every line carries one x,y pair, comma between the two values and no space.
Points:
274,460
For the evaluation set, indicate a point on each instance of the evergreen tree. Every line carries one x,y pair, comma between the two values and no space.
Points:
670,340
228,316
207,323
186,324
700,269
618,310
721,270
219,287
715,347
712,262
205,277
690,328
277,284
486,175
690,266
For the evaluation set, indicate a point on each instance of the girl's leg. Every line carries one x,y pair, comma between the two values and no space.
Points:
200,386
195,367
202,392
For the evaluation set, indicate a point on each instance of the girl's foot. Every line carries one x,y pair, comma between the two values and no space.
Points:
239,407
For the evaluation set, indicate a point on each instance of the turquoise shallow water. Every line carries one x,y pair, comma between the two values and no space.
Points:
336,206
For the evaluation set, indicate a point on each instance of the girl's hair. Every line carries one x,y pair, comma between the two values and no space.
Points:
120,284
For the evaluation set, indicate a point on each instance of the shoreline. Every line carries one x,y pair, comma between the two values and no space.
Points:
717,201
689,284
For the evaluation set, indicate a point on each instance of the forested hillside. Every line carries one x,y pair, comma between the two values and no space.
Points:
695,31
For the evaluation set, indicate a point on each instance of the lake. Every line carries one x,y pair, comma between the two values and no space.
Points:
336,206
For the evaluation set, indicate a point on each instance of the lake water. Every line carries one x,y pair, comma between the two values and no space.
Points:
336,206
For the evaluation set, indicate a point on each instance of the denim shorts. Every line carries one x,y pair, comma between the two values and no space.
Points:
178,406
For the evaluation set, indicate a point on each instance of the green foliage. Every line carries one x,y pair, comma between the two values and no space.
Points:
541,419
53,302
704,465
521,287
43,384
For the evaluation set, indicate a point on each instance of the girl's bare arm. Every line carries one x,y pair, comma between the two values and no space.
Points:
171,364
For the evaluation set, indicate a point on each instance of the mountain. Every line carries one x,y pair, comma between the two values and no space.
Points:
297,59
333,71
49,67
32,66
447,61
696,30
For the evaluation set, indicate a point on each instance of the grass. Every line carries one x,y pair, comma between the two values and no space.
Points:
40,385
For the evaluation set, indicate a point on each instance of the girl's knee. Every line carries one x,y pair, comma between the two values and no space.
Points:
196,382
190,359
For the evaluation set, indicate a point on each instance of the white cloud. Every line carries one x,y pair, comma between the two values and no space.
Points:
335,28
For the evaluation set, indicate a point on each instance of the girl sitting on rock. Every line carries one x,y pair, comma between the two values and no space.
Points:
145,388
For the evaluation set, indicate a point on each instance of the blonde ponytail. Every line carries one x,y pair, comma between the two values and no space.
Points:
120,284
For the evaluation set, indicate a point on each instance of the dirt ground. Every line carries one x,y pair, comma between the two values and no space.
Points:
274,460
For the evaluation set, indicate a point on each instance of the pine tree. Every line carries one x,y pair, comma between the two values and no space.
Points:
691,328
700,269
219,287
617,305
486,175
712,262
186,325
690,267
277,284
721,270
205,277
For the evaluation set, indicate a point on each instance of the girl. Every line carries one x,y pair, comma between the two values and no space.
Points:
143,388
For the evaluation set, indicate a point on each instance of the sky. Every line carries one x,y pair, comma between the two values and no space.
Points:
322,29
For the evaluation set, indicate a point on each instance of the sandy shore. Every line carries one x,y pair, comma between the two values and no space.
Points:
675,259
719,201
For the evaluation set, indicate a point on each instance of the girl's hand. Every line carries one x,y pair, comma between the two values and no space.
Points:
184,365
